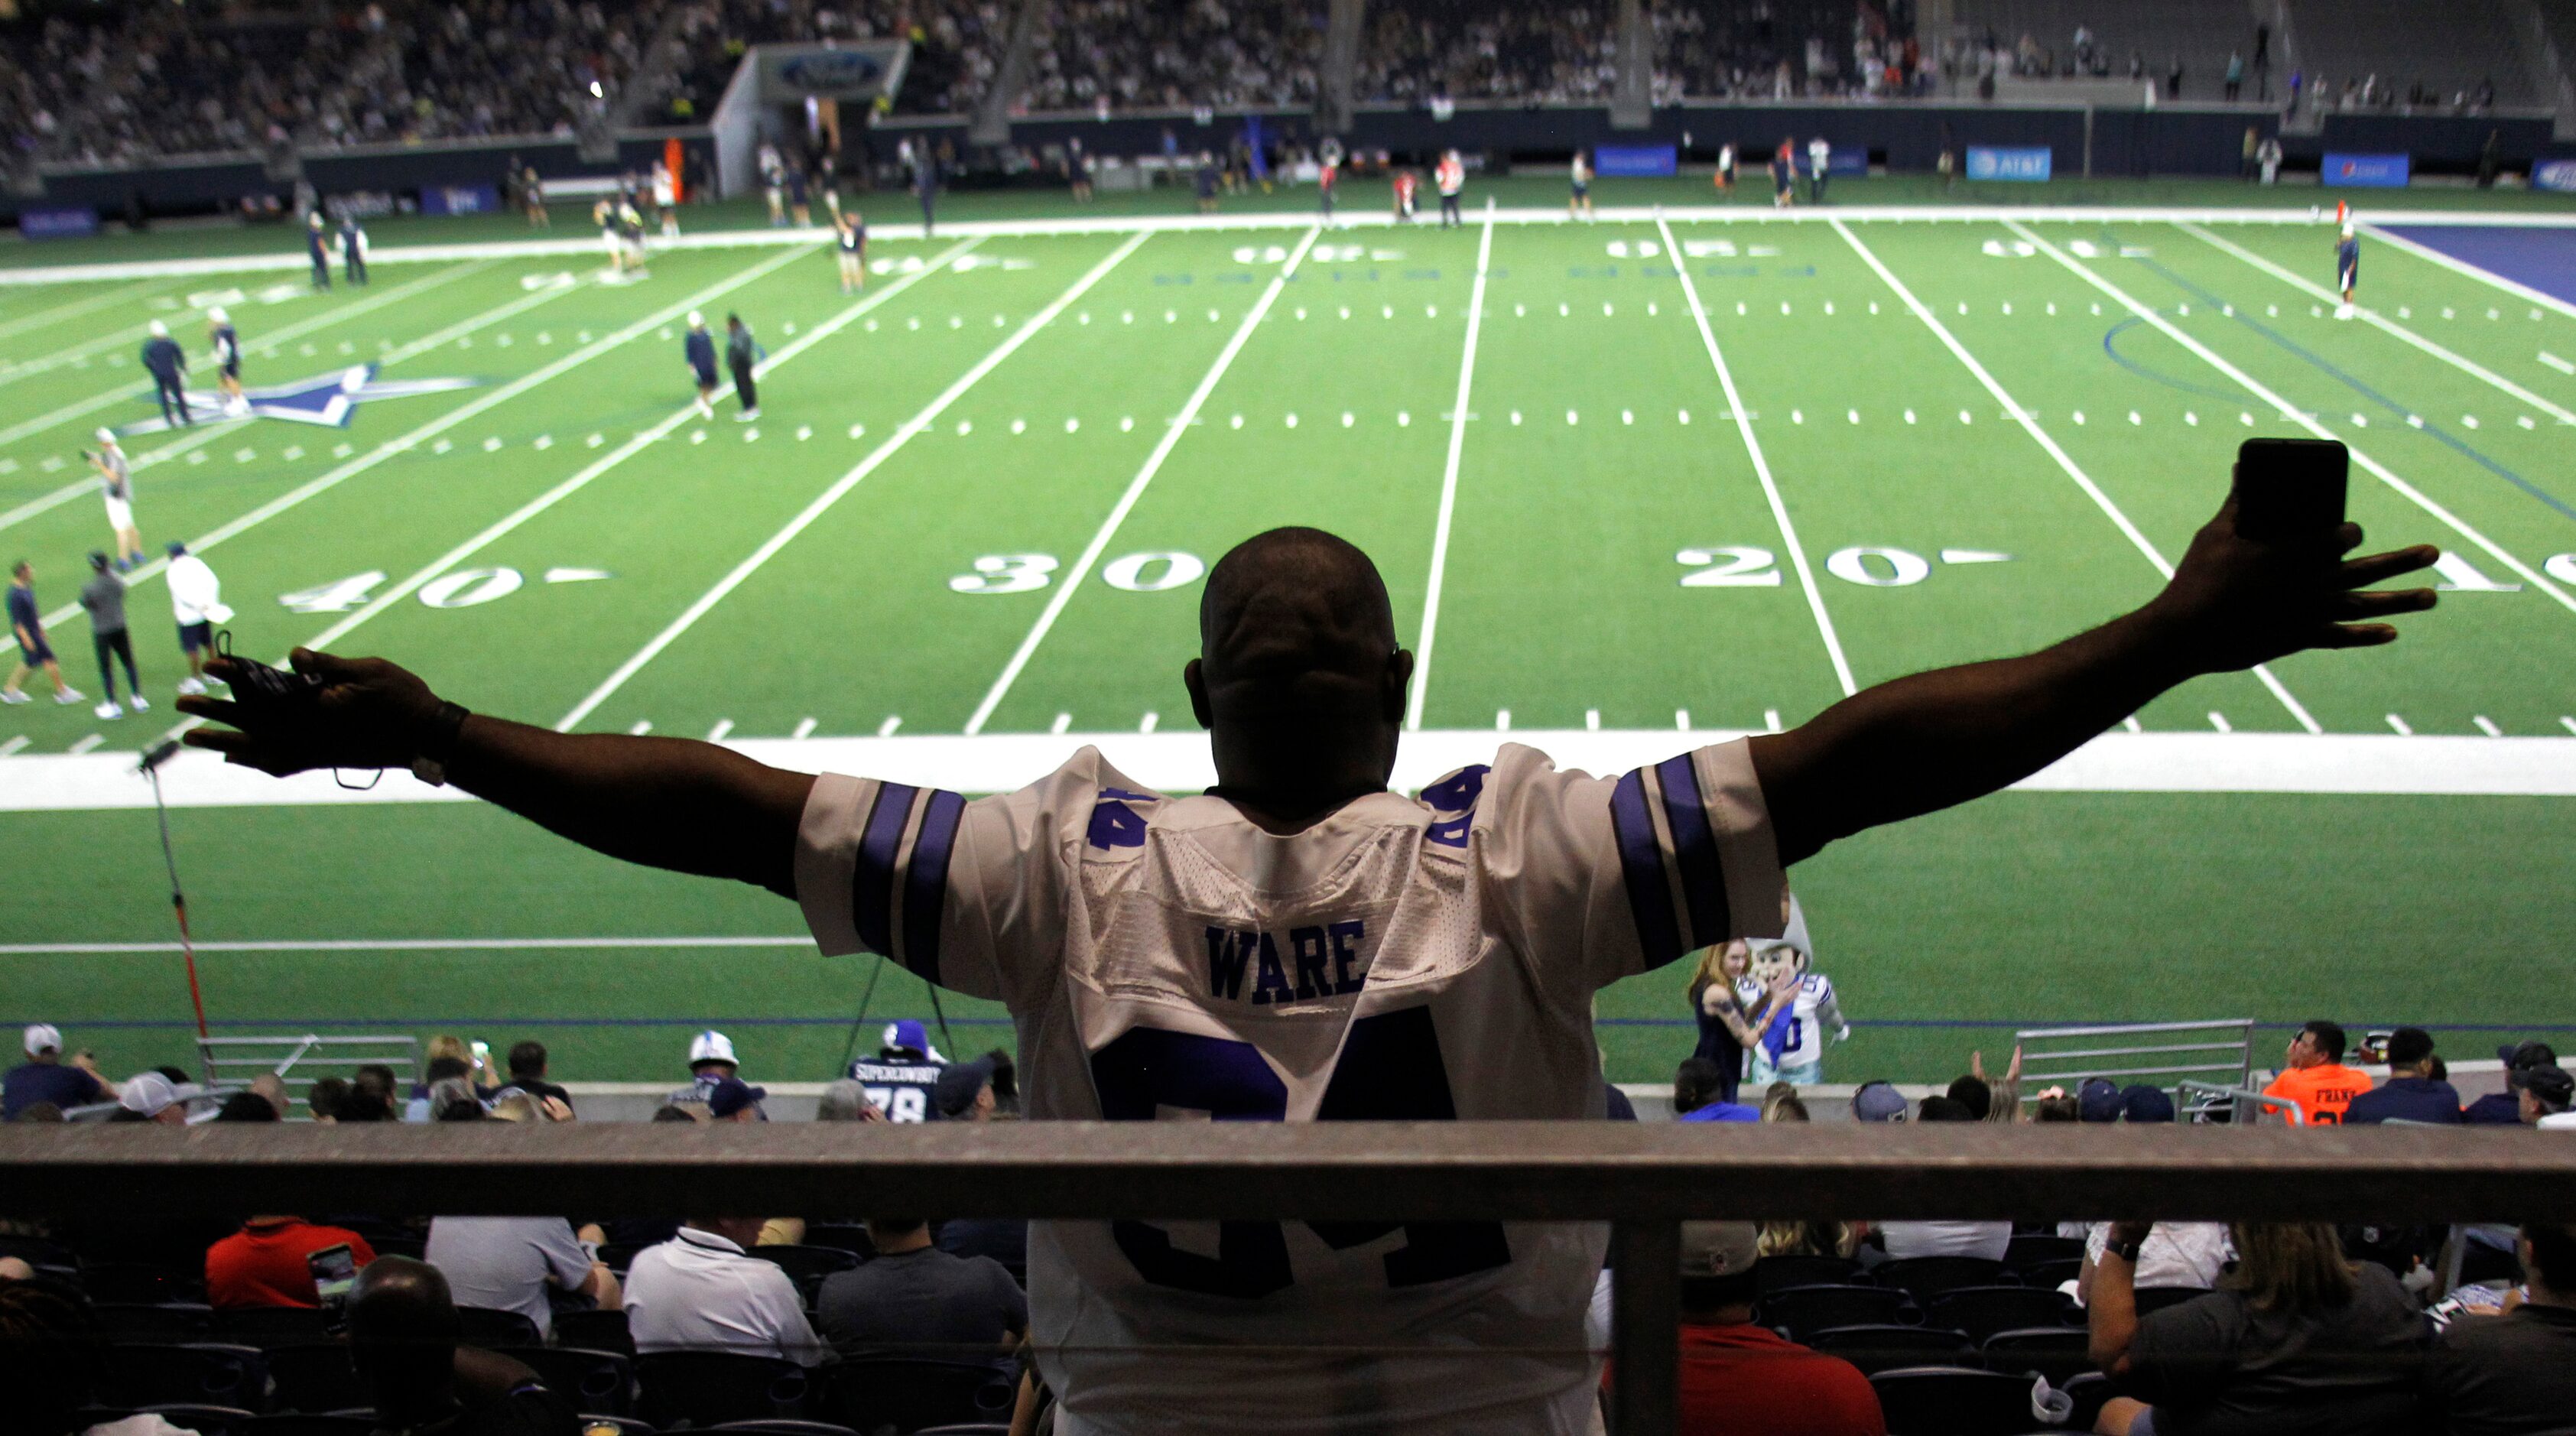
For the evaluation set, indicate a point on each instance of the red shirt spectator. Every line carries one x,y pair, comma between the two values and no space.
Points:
263,1263
1743,1377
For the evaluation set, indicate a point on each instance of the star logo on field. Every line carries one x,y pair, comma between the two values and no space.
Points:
326,399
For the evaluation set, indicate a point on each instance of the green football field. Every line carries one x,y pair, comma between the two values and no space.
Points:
1635,484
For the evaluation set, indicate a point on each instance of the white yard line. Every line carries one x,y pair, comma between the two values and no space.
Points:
2383,323
405,442
1423,643
1072,580
60,312
1761,465
218,426
822,504
2461,266
2030,425
614,457
2299,416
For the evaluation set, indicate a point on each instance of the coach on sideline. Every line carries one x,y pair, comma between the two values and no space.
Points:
1301,943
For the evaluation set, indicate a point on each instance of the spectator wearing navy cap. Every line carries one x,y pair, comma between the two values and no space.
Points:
2142,1103
2543,1093
965,1091
1878,1102
732,1099
2098,1100
47,1077
2504,1109
2412,1093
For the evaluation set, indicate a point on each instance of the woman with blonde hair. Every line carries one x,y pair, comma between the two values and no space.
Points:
1726,1029
2296,1340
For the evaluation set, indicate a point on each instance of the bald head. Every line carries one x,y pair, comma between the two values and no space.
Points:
1299,677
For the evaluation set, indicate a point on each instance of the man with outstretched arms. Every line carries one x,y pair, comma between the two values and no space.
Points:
1301,943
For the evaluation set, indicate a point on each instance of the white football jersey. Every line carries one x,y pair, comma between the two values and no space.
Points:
1811,1013
1166,959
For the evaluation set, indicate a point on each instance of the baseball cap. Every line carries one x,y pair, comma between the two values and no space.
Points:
147,1094
2097,1100
1878,1102
159,330
217,314
2527,1053
2142,1103
1718,1248
711,1046
175,548
732,1095
98,560
958,1085
2550,1084
697,320
43,1037
106,435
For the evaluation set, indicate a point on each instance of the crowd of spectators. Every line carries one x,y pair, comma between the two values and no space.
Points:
1175,54
2136,1328
956,45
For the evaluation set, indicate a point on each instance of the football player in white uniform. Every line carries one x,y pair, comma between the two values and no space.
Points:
1300,943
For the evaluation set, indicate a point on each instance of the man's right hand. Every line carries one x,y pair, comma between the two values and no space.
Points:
366,713
2235,602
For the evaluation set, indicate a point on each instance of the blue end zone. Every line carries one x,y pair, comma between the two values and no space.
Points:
2539,257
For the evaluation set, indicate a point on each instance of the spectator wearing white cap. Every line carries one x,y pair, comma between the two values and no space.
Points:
711,1061
116,485
46,1077
197,602
150,1097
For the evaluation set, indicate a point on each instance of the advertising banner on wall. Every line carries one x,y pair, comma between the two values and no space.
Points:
1988,162
856,73
2364,171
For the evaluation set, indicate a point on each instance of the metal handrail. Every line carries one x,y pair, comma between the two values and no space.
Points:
2240,1098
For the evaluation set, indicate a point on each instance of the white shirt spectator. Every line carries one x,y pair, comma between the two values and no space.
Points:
2174,1254
194,589
698,1292
1906,1240
2559,1121
506,1263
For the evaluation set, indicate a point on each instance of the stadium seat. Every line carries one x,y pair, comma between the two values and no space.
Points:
141,1282
787,1428
1775,1273
1954,1401
301,1423
2059,1353
190,1373
204,1420
1805,1310
489,1327
39,1252
1981,1311
315,1377
272,1325
845,1236
1926,1277
2031,1249
1887,1348
707,1388
155,1321
595,1382
621,1255
595,1331
2152,1299
807,1265
2050,1275
912,1393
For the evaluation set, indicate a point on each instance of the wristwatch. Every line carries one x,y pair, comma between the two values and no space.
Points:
439,744
2125,1251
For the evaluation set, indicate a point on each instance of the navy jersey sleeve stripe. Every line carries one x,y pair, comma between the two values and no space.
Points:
872,876
925,882
1641,860
1694,851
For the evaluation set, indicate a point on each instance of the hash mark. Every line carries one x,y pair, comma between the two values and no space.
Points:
804,730
642,727
886,729
1062,723
2219,721
2487,726
84,745
718,732
2400,725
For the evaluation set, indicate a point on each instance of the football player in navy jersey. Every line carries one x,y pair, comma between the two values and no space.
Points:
225,341
317,247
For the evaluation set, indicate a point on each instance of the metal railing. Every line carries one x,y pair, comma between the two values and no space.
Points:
2244,1106
2167,1052
300,1060
1642,1177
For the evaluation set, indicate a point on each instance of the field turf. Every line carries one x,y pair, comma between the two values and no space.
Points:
1709,490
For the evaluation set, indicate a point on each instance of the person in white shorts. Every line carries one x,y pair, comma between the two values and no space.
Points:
116,485
1302,943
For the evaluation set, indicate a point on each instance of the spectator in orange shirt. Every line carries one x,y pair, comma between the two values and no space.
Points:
1741,1377
2316,1078
263,1263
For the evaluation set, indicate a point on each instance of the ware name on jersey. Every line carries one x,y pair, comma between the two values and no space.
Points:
1166,959
902,1090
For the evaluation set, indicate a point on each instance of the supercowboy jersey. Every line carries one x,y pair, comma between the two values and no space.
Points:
1167,960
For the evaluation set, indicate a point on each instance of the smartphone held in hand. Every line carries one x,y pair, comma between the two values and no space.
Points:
2289,488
